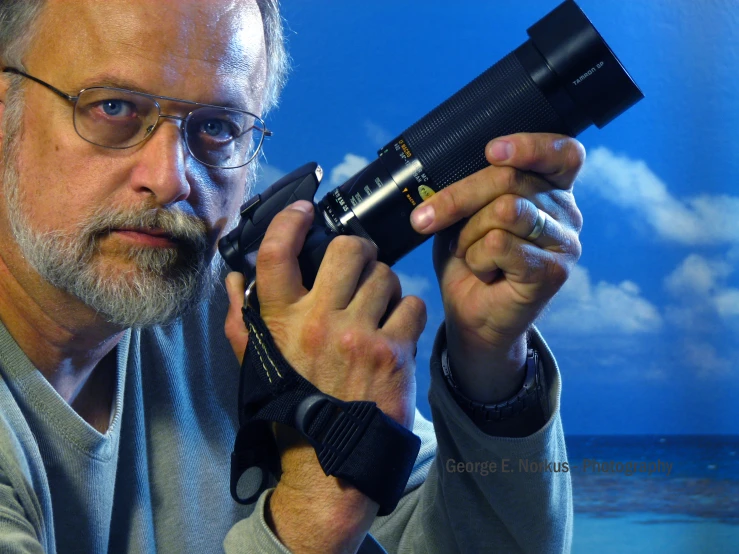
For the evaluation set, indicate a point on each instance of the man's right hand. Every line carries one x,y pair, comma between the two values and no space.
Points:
353,337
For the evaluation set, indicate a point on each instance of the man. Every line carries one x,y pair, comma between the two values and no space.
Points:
117,389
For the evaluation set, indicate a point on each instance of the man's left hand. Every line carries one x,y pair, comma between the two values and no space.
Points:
495,279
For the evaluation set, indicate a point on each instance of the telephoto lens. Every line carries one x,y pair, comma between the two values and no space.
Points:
562,80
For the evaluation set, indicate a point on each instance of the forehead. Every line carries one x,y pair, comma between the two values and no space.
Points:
203,50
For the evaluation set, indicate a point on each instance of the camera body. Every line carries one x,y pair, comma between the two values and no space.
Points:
239,248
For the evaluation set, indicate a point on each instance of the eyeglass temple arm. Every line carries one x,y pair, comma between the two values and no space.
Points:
42,83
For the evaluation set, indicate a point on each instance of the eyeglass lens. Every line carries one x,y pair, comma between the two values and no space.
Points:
120,119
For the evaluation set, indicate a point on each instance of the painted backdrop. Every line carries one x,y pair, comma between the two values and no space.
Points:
646,331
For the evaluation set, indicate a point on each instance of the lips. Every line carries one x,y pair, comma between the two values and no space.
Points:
152,232
148,236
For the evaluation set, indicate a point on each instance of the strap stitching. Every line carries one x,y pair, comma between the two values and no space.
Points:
266,369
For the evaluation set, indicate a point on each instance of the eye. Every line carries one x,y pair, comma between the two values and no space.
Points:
217,128
117,108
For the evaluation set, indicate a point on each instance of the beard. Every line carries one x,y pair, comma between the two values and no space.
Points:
157,285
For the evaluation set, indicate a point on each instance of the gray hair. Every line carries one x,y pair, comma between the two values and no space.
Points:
17,17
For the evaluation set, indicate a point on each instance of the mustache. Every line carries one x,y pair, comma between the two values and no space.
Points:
188,230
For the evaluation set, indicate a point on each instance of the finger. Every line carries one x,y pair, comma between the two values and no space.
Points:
278,272
407,319
379,287
340,270
511,213
465,197
557,158
234,327
520,260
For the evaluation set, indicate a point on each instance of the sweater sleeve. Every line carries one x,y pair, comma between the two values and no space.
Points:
17,534
486,493
23,527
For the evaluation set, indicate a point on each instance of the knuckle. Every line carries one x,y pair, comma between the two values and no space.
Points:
576,248
270,252
344,243
312,335
508,209
476,258
509,177
384,354
574,153
350,341
349,245
385,274
557,274
577,217
417,307
529,148
452,204
497,240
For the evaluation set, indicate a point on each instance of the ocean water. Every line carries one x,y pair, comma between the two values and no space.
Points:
688,504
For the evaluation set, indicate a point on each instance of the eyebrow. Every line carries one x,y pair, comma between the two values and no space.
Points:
115,81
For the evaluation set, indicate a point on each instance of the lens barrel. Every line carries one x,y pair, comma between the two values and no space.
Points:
563,80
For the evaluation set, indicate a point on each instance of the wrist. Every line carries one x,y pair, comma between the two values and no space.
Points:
329,517
518,416
487,373
310,511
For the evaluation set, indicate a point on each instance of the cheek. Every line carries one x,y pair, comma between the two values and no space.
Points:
55,178
59,189
221,200
231,202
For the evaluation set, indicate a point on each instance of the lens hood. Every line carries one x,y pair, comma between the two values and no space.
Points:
591,74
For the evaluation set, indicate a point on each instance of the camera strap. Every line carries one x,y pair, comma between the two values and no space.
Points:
354,441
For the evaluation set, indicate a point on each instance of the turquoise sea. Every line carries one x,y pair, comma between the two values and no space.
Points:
694,509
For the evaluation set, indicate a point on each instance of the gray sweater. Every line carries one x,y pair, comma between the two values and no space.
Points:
158,479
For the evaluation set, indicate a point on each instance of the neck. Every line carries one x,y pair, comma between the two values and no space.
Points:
64,339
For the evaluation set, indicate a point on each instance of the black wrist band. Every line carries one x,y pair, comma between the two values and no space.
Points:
354,441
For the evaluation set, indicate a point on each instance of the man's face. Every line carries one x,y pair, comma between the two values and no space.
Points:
129,232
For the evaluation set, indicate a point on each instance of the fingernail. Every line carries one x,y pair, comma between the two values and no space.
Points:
302,206
500,150
422,217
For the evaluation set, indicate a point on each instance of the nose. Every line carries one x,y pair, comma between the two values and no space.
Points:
160,169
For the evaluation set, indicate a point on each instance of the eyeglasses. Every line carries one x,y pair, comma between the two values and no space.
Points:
219,137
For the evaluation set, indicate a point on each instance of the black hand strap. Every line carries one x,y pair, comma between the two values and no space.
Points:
354,441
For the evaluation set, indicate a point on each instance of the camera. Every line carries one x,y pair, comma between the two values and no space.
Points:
562,80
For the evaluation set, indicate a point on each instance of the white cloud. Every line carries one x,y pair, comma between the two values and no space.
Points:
339,174
376,134
704,359
585,308
697,275
629,183
700,286
351,164
727,302
416,285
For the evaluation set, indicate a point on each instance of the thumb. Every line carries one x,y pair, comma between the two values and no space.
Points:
235,329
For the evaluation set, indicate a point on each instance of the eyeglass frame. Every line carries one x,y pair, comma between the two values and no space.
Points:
264,131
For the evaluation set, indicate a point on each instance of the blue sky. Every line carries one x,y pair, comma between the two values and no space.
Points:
646,331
